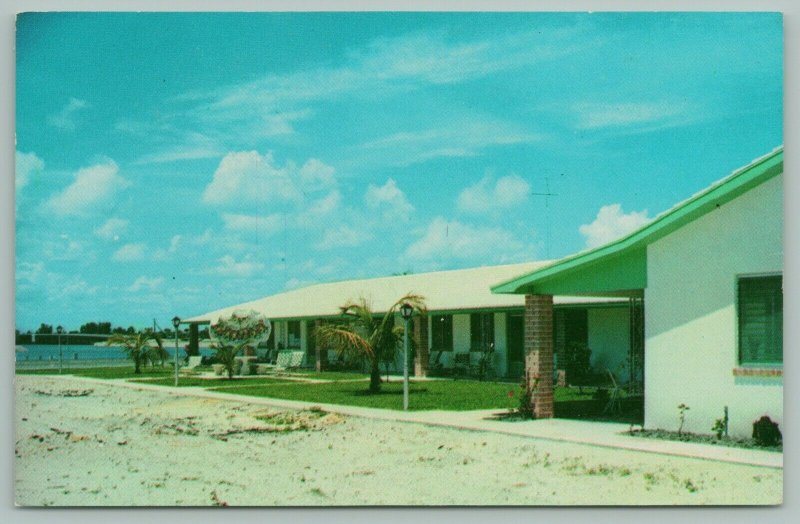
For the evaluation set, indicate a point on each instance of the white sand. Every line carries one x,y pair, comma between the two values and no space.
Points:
118,446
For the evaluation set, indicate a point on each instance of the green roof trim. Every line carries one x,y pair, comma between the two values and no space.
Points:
620,268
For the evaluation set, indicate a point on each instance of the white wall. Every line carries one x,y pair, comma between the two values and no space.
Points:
609,340
690,315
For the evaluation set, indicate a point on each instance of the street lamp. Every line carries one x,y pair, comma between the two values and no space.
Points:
406,310
176,322
60,330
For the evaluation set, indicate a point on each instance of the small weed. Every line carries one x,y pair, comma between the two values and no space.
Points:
690,486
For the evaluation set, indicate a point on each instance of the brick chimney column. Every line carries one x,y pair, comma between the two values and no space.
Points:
539,352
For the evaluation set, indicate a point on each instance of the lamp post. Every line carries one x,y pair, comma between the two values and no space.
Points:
60,330
176,322
406,310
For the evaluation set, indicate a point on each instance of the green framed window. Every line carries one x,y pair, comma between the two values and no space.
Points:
442,332
760,311
481,329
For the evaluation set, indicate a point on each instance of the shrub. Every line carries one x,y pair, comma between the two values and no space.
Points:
766,432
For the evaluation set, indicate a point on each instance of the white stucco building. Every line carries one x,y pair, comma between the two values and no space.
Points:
709,273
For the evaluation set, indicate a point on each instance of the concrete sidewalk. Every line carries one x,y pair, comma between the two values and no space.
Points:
604,434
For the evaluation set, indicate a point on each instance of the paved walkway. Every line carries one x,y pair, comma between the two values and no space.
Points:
604,434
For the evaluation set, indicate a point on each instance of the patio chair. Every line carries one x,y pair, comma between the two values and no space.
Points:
189,368
615,395
461,365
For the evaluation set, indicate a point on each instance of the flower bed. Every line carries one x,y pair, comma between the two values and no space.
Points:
697,438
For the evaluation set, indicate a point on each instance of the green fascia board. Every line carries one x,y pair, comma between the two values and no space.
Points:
573,275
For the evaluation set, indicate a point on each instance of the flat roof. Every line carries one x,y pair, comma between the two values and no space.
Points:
444,291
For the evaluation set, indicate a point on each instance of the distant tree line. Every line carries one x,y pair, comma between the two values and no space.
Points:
47,334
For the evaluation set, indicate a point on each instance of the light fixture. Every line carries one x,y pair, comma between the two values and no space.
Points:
406,310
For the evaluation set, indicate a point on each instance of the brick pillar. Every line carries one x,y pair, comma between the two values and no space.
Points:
539,352
420,334
320,354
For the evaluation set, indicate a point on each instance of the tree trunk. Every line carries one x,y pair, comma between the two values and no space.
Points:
375,377
137,365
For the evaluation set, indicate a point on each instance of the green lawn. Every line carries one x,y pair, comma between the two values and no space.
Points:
436,394
217,382
105,372
351,389
326,375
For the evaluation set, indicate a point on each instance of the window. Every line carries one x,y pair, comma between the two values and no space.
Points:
481,327
760,305
442,332
293,334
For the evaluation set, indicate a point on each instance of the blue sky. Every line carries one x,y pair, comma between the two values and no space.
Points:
176,163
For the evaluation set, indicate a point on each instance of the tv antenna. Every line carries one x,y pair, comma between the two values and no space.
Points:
547,194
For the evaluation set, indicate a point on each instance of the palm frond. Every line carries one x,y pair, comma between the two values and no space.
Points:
343,339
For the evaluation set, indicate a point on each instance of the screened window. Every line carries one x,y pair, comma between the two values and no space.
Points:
442,332
760,304
293,334
481,327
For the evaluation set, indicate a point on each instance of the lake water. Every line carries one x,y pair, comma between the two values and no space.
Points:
47,356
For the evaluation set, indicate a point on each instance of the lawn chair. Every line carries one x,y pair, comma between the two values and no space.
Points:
189,368
287,359
615,395
461,365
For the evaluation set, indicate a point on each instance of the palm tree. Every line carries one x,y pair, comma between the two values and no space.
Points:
226,355
364,334
138,348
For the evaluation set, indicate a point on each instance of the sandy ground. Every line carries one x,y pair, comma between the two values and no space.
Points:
82,444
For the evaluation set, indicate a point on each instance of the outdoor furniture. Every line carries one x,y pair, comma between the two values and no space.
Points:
287,359
461,365
189,368
615,394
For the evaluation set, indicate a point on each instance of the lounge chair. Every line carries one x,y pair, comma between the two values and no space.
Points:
615,394
287,359
189,368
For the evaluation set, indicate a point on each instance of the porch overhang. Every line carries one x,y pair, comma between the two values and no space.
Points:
620,268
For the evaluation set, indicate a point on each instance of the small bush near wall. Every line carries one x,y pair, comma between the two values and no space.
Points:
766,432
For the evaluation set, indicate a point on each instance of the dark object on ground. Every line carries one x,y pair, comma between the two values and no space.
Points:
766,432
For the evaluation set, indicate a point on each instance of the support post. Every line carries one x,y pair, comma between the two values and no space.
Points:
421,359
194,340
539,352
321,356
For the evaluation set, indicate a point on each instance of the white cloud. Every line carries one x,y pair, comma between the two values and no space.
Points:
65,118
150,284
266,225
94,187
27,165
389,200
599,115
461,137
130,253
316,174
612,223
112,228
319,210
445,239
249,177
509,191
174,243
343,236
32,278
229,267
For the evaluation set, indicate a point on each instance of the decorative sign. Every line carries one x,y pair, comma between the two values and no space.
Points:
241,326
